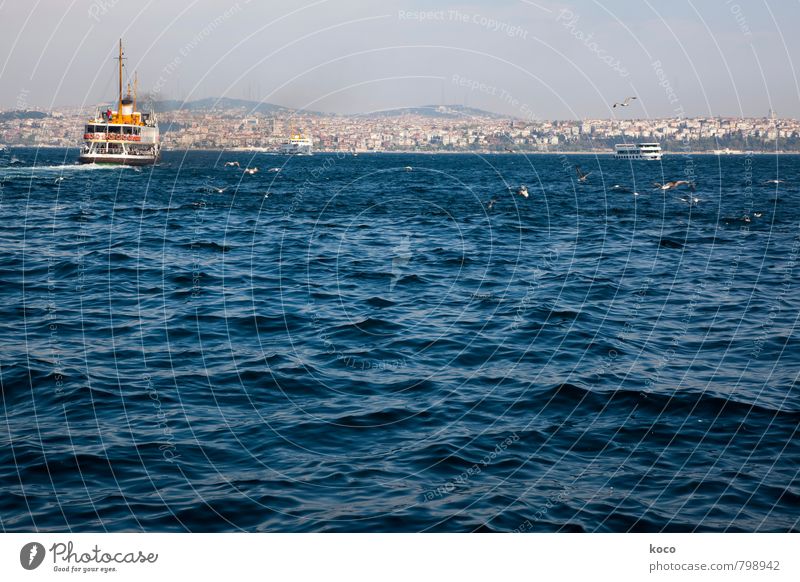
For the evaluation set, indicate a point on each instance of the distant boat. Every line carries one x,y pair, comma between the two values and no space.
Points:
639,151
124,136
297,145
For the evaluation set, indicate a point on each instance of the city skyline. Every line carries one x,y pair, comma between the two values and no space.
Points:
529,60
236,125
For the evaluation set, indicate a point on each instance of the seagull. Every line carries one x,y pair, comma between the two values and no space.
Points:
618,188
674,184
625,103
274,170
250,171
490,204
208,188
691,200
232,164
408,168
758,214
581,176
773,182
523,191
58,180
509,150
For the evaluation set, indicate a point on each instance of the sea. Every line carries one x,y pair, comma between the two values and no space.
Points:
399,343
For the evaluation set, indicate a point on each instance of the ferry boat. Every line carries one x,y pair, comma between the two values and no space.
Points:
297,145
124,136
639,151
727,152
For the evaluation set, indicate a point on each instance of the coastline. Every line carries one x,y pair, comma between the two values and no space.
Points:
604,152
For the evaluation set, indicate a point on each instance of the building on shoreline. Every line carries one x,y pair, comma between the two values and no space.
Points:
240,128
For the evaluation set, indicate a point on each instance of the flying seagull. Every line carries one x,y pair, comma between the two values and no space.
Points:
625,103
231,164
250,171
674,184
691,200
581,175
490,204
523,191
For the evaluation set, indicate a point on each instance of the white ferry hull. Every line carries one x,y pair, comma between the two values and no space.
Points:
653,157
292,151
119,159
641,151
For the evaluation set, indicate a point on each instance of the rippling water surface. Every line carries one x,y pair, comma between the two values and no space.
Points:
366,344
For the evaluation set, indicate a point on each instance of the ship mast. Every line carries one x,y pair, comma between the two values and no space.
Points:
119,105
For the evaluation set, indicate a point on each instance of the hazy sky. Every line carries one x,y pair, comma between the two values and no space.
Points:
529,58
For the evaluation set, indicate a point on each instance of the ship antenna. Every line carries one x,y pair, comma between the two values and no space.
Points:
135,83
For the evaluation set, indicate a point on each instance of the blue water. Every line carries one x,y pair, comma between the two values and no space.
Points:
347,345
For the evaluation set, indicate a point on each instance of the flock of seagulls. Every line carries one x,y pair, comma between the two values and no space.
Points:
234,164
522,190
691,200
250,171
582,176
